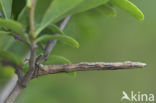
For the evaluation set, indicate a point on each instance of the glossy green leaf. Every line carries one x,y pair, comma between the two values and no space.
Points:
6,55
56,29
6,6
54,59
56,9
14,26
129,7
63,38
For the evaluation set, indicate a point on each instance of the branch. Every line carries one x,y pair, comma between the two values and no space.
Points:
85,66
31,70
18,37
15,92
51,44
33,46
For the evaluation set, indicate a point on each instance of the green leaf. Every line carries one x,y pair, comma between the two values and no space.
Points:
14,26
129,7
54,59
6,71
103,10
87,4
17,7
41,7
63,38
3,38
4,33
6,6
56,29
83,6
23,17
6,55
56,9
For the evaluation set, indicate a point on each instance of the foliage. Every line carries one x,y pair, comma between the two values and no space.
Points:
48,14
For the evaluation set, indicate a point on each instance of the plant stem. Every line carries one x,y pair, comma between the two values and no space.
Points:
33,46
18,37
31,18
20,86
31,70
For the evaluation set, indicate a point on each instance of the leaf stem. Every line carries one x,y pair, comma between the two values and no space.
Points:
31,18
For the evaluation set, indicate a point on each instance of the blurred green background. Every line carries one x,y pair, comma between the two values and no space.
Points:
106,39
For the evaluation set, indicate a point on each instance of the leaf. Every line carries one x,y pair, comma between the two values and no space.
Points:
6,6
103,10
3,44
6,71
63,38
83,6
56,29
14,26
129,7
17,7
87,5
4,33
23,17
56,9
19,49
6,55
54,59
40,9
